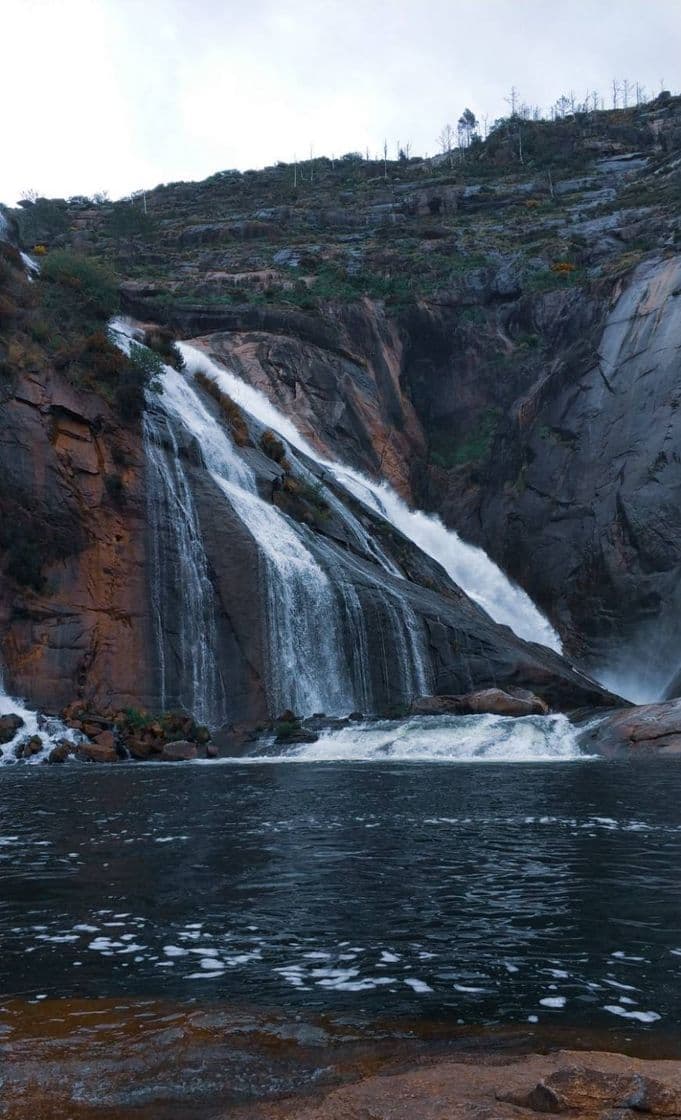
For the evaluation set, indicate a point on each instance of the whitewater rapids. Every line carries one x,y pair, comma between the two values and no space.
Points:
445,739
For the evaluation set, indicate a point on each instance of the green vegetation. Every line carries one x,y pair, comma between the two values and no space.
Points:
273,448
93,284
229,409
448,451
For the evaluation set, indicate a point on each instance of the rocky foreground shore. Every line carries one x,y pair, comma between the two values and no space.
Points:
581,1085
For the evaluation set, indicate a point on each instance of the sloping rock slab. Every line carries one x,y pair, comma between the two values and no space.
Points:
645,730
491,1087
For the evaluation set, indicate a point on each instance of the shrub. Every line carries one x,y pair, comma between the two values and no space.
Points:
273,447
229,409
92,281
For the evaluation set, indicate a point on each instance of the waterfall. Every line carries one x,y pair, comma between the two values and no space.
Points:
468,566
186,638
307,664
313,609
307,669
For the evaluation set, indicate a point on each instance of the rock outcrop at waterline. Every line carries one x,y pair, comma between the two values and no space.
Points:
647,730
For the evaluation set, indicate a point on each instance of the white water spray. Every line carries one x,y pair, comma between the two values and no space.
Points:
468,566
444,739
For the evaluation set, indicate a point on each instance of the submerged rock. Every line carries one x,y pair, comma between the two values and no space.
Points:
492,701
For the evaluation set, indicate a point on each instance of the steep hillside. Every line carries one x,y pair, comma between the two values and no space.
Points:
452,326
494,335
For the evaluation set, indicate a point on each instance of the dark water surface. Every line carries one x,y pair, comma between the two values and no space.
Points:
481,894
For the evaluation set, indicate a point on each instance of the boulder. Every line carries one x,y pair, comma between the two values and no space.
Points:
180,751
212,751
9,725
492,701
583,1090
63,750
106,739
94,752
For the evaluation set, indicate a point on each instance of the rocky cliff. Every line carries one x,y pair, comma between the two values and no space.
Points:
496,339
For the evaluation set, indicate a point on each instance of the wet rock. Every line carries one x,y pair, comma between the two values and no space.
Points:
106,739
180,751
299,736
28,747
648,729
141,749
9,725
580,1089
63,750
93,752
212,751
493,701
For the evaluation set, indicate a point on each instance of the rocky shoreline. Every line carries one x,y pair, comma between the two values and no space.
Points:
582,1085
647,730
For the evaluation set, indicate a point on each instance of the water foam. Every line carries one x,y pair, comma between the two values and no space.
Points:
480,738
48,730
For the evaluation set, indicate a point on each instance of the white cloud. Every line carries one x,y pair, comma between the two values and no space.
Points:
116,94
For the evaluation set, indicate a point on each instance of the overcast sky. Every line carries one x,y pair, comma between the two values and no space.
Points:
113,95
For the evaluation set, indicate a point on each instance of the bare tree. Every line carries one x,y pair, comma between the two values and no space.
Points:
640,94
446,142
512,100
385,159
627,88
615,93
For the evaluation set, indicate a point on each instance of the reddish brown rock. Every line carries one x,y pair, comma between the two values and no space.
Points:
181,751
495,1088
9,725
648,729
93,752
494,701
62,751
105,739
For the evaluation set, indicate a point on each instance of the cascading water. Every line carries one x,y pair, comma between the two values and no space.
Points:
186,640
336,629
485,738
46,729
300,591
307,667
467,565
